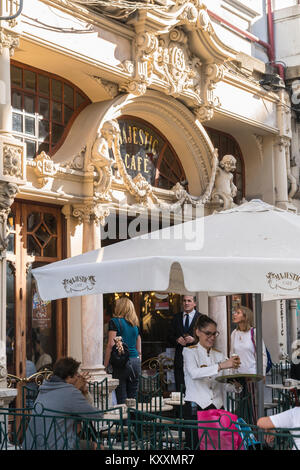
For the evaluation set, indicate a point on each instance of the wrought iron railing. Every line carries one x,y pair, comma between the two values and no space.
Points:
160,365
42,429
30,389
51,430
281,371
100,393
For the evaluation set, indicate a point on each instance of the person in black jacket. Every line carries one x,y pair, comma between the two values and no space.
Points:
181,335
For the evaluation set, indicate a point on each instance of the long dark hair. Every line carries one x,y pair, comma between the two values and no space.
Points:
201,323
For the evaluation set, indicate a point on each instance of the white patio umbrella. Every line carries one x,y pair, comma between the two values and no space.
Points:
252,248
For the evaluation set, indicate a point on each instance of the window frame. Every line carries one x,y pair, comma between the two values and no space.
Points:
37,95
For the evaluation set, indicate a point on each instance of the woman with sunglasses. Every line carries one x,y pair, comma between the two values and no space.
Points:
202,364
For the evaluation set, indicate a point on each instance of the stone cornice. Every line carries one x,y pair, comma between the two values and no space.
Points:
248,85
117,73
250,122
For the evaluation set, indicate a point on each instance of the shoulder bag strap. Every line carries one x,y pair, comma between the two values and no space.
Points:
252,338
118,326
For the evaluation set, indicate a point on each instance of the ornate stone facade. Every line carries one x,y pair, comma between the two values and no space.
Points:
164,60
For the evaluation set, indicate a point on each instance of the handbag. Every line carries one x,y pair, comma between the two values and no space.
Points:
269,359
217,430
121,367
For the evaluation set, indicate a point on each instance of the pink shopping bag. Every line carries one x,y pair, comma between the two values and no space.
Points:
217,431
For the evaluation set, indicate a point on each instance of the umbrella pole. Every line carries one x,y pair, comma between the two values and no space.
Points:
259,354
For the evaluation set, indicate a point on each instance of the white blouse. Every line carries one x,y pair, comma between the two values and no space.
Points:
242,344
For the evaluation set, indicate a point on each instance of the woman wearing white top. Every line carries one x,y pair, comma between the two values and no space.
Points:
243,343
202,364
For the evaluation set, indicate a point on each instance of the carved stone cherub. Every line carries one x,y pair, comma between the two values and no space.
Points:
224,188
101,159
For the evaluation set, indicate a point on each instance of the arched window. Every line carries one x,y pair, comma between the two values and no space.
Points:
226,144
145,150
44,106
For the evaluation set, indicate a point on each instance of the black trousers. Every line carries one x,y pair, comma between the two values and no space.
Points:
190,413
179,379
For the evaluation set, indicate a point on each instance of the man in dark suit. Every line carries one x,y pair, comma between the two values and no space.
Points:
182,335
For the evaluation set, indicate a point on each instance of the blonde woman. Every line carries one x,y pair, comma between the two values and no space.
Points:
243,341
125,323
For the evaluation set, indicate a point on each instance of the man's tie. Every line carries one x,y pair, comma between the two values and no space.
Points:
186,323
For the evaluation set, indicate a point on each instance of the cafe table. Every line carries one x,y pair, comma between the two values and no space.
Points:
285,396
243,402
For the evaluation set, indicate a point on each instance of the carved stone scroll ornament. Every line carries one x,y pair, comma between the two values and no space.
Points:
225,190
212,74
77,162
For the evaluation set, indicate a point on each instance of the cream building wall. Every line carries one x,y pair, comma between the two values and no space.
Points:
105,60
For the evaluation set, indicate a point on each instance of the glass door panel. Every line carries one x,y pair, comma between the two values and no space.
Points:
40,325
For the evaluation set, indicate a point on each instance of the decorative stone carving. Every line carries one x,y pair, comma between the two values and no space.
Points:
111,88
168,50
90,212
101,160
109,138
8,192
13,161
44,168
167,60
9,40
212,73
77,162
225,190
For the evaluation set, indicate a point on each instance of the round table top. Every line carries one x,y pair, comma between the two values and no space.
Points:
174,402
230,378
283,387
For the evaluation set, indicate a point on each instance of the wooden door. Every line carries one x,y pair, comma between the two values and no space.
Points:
34,328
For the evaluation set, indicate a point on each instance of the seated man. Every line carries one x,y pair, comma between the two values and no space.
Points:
287,419
63,395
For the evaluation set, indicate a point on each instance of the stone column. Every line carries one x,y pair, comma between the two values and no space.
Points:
92,305
12,174
218,312
7,193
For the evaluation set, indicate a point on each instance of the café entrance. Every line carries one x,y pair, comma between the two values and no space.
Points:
35,330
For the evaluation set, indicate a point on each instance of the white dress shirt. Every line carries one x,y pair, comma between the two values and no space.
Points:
191,317
200,370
